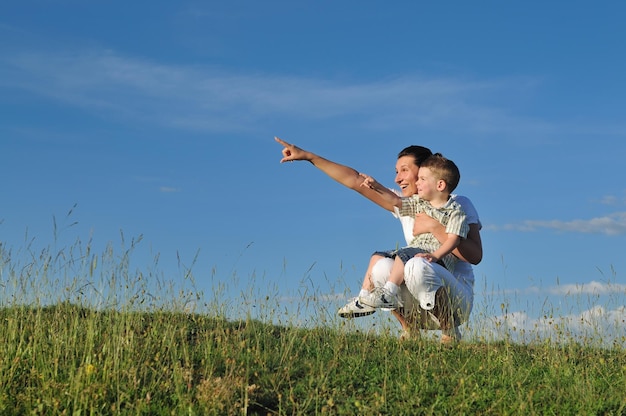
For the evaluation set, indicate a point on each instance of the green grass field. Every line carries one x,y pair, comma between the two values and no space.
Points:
65,359
137,352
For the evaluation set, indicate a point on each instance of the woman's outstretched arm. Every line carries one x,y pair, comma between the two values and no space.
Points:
343,174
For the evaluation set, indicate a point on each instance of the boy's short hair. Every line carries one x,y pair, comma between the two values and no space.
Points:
419,153
444,169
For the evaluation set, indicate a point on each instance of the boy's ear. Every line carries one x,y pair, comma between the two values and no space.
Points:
441,185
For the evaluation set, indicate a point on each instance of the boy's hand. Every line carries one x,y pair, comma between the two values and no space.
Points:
370,182
428,256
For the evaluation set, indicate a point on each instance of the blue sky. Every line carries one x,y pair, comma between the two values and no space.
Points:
157,119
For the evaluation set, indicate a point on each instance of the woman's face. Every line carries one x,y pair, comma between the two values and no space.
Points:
406,175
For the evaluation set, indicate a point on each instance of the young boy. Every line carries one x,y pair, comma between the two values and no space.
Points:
437,178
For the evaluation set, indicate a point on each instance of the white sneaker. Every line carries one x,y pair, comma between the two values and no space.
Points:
354,309
380,298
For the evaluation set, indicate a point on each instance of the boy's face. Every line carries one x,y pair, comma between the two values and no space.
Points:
427,184
406,175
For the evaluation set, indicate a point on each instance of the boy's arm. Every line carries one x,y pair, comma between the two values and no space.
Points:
387,195
447,246
345,175
470,249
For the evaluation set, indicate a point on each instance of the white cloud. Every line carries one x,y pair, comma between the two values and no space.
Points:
167,189
596,325
207,99
612,224
591,288
592,312
609,200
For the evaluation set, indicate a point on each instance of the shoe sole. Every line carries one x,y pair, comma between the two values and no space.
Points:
354,314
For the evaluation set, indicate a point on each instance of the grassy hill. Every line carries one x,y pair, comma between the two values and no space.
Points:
83,334
66,359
